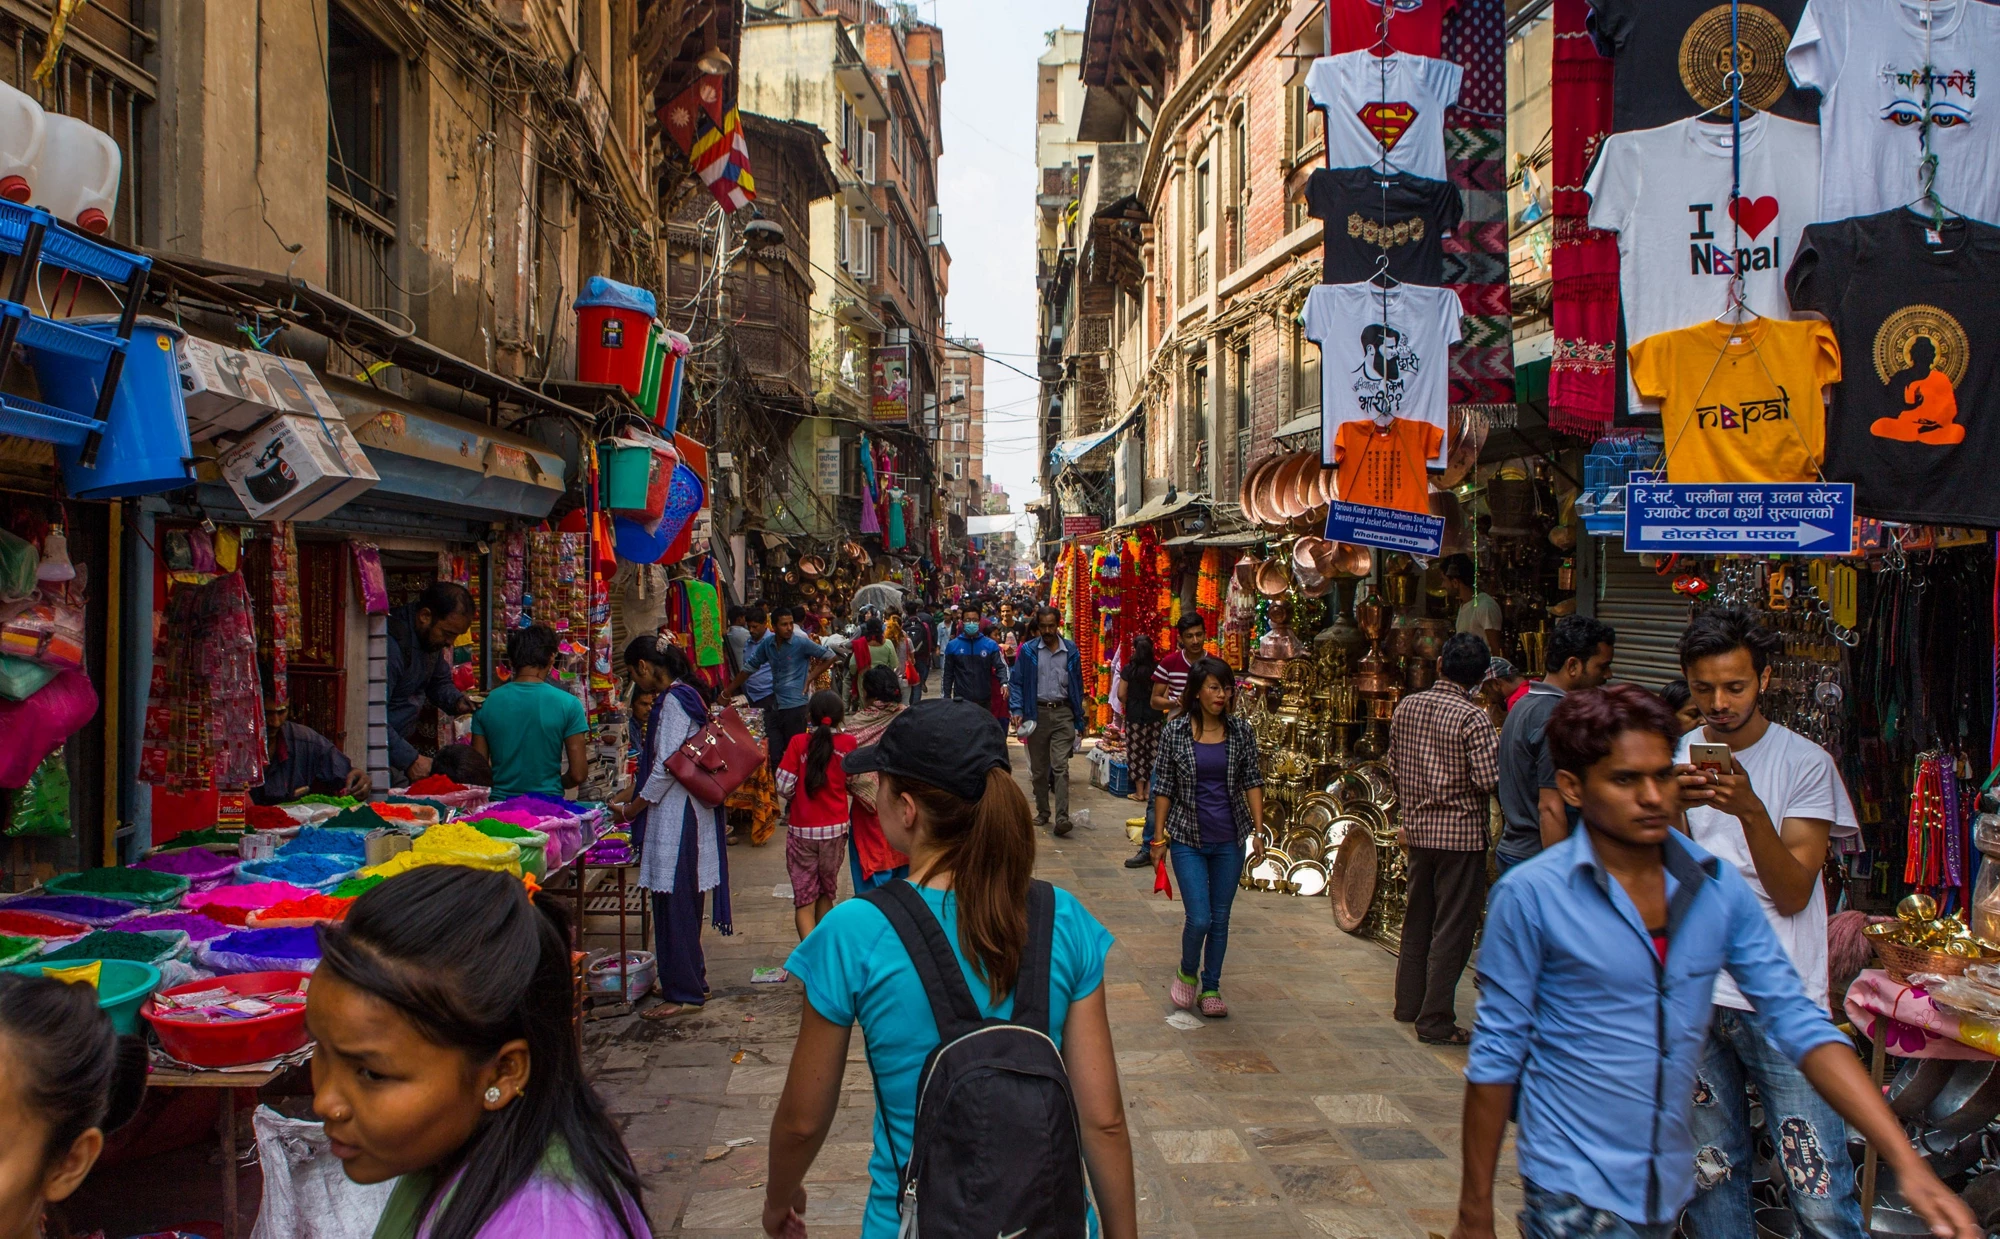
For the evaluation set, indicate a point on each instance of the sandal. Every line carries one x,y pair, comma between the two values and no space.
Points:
1213,1007
1181,992
667,1011
1457,1036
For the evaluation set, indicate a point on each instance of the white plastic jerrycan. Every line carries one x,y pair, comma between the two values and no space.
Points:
78,177
23,135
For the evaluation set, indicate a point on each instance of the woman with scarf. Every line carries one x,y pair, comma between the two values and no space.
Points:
682,843
869,855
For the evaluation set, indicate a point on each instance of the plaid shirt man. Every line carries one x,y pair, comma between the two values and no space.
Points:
1445,755
1173,777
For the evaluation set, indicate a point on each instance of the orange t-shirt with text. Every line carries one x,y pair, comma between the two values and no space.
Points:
1384,468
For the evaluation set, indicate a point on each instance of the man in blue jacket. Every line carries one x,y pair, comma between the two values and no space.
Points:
970,662
1046,689
421,634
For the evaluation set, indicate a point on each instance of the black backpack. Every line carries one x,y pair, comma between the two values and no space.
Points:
996,1153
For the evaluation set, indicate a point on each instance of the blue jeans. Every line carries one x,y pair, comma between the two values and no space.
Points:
1559,1215
1811,1138
1207,876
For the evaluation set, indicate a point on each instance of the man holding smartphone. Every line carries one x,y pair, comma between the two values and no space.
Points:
1766,800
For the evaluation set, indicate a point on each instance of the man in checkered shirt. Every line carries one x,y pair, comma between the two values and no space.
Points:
1445,755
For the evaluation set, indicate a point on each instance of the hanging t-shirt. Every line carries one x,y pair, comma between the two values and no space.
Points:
1665,192
1919,324
1384,353
1794,778
1368,215
1673,59
1868,57
1384,466
1415,26
1385,108
1741,402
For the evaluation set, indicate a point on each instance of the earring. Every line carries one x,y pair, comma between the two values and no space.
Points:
493,1095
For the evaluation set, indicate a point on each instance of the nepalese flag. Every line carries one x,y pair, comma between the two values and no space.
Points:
712,140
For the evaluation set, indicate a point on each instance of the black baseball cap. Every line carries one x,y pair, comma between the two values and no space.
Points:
944,742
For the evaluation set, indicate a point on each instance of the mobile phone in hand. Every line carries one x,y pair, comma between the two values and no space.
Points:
1712,757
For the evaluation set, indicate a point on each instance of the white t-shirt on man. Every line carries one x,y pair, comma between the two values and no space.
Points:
1480,614
1794,778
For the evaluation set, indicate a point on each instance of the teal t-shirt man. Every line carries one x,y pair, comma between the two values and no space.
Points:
528,726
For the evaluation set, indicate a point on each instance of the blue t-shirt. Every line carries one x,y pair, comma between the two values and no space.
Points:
525,724
1211,793
855,970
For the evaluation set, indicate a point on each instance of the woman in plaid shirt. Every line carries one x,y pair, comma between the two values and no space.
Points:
1208,792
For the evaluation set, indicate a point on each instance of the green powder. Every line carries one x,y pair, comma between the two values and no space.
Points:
355,887
111,944
13,950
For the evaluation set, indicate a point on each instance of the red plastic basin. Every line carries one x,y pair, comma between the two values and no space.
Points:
239,1041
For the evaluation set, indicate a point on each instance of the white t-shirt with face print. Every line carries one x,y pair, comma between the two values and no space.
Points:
1867,58
1384,353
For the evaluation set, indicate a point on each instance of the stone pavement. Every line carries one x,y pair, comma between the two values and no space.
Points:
1307,1112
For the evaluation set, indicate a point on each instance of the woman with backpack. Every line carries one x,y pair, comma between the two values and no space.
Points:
1013,1117
1208,796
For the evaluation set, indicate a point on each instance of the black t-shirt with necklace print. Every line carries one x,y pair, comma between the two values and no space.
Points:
1368,214
1916,309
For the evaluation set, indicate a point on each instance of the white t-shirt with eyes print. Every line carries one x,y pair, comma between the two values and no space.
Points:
1867,60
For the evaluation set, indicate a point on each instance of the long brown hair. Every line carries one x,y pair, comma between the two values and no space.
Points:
988,847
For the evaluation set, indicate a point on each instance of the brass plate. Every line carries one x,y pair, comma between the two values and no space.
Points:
1352,882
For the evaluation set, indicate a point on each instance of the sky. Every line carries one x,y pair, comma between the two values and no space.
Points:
986,189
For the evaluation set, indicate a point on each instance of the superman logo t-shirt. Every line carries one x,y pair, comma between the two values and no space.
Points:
1385,111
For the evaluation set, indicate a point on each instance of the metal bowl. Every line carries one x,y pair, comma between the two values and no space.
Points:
1267,873
1307,877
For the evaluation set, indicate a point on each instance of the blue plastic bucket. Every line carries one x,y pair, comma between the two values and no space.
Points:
145,449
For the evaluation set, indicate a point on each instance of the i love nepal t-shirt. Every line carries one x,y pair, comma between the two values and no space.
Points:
1665,192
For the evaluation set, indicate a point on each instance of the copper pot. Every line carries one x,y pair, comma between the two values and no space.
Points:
1419,674
1403,635
1354,560
1431,636
1252,495
1305,489
1272,581
1373,677
1371,615
1284,502
1246,573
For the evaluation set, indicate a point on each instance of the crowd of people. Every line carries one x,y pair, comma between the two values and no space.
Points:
1655,944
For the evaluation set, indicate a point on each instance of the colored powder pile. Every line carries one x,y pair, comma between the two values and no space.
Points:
309,869
35,925
112,944
245,897
311,908
268,817
434,785
133,884
362,817
84,908
406,812
494,828
294,943
317,840
458,837
542,806
197,927
354,888
225,840
13,950
190,863
341,802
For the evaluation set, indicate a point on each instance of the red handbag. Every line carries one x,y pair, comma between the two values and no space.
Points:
718,759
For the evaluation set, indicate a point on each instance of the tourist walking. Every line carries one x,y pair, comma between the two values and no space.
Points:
790,655
869,855
1019,949
1208,795
535,735
810,778
448,1061
1045,697
683,851
1443,751
1578,657
972,664
922,632
1594,1003
1142,737
1769,815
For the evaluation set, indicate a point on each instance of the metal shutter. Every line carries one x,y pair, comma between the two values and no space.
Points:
1649,616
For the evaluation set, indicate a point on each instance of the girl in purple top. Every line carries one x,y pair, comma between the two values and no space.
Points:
447,1060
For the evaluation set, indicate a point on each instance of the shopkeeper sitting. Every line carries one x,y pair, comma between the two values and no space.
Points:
299,761
420,638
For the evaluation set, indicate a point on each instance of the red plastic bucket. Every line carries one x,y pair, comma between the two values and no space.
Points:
240,1041
611,345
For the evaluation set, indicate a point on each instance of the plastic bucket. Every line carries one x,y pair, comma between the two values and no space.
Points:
626,470
121,987
145,449
649,382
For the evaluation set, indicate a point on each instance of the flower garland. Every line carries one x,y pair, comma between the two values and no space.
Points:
1208,597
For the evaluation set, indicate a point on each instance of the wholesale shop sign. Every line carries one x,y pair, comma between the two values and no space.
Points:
1794,518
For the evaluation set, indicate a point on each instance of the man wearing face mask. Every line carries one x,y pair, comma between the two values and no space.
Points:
421,634
972,663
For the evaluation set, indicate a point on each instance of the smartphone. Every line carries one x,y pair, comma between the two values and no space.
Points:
1714,757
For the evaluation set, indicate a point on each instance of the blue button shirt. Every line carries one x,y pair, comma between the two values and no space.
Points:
790,663
1600,1040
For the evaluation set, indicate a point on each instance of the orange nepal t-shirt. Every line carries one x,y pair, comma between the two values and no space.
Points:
1384,468
1742,402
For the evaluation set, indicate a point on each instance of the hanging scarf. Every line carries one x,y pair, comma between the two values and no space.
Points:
704,624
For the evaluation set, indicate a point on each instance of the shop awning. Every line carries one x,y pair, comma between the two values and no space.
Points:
434,460
1069,451
1160,508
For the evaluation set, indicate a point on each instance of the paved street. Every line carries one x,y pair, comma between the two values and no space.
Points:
1307,1112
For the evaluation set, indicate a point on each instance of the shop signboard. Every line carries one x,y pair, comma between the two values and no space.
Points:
1798,518
1389,529
826,465
1081,526
892,384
